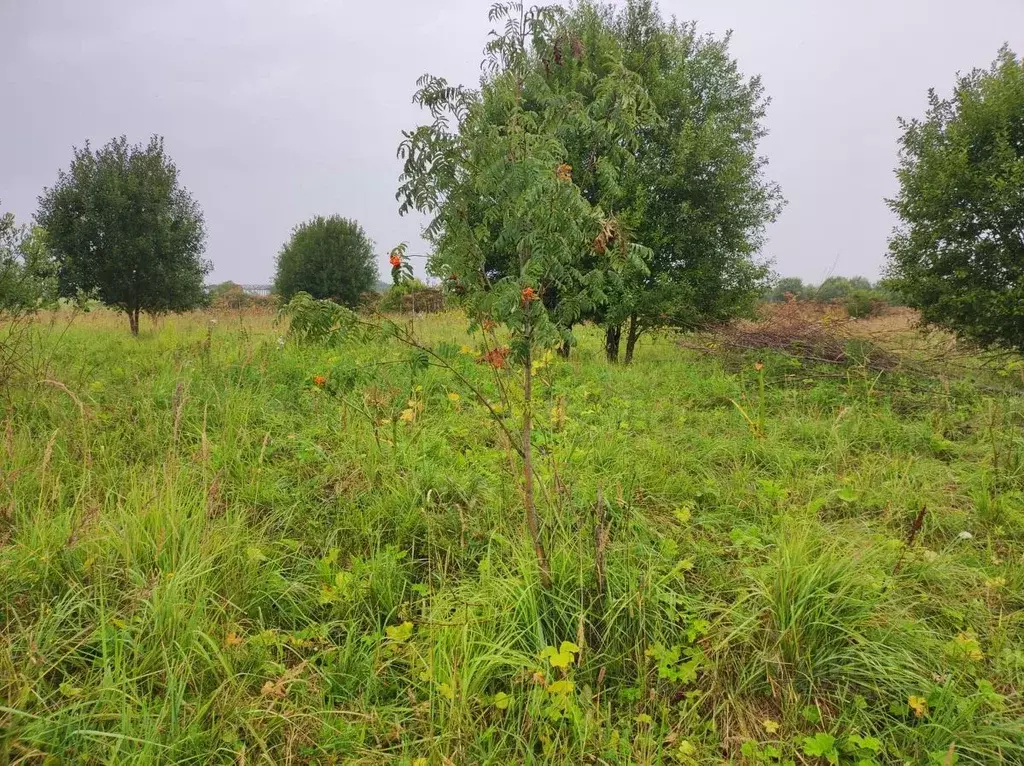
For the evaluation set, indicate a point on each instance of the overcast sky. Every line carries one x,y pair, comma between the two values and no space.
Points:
278,111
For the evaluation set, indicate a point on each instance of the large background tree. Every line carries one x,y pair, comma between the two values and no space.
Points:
958,253
328,258
689,183
120,226
699,197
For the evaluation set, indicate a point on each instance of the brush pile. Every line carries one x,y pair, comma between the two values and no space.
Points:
808,330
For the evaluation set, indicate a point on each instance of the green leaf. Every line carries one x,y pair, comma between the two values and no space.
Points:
399,633
822,745
847,494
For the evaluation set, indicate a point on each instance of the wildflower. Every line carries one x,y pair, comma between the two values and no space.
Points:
919,705
319,381
396,260
528,295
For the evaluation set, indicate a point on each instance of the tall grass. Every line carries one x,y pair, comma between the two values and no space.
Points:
206,558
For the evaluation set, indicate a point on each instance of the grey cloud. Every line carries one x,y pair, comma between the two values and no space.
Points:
276,112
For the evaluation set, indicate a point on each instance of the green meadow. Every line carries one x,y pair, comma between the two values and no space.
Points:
218,545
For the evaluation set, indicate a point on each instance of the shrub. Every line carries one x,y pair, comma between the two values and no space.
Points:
328,258
863,303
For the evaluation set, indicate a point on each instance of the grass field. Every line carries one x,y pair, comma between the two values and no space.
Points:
207,558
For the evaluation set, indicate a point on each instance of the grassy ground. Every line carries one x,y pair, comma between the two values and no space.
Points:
206,558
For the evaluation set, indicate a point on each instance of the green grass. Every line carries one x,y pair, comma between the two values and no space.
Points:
211,560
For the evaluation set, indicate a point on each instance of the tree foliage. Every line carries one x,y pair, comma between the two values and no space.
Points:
657,128
958,253
27,272
514,236
699,197
122,227
329,258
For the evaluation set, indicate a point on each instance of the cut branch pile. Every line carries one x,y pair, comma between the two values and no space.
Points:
814,332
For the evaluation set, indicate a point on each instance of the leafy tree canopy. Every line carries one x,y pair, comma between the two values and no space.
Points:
327,257
686,181
514,234
958,253
122,227
699,197
27,272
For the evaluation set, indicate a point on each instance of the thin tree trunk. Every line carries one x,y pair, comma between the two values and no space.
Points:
564,348
634,333
612,336
133,321
531,510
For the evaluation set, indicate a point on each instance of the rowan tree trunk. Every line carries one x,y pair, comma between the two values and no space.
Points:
612,336
531,509
631,336
133,321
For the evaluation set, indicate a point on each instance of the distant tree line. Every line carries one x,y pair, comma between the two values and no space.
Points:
651,133
859,295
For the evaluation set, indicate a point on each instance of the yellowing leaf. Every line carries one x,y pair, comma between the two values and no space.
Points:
561,660
466,350
399,633
446,690
501,701
408,415
568,646
919,705
966,645
453,397
770,726
232,639
563,686
682,515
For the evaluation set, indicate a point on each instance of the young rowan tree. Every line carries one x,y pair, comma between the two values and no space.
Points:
514,237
